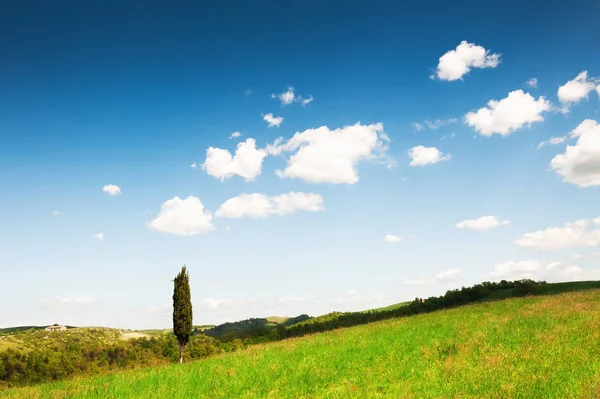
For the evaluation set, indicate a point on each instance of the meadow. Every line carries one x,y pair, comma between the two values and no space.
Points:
531,347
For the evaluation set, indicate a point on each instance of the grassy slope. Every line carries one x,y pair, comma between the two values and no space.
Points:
536,347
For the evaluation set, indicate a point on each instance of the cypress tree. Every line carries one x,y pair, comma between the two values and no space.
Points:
182,311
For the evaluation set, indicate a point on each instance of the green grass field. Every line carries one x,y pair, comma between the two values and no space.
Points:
535,347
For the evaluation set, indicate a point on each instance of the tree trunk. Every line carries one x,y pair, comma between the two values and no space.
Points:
180,354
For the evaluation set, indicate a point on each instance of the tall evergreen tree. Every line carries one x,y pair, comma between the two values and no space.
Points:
182,310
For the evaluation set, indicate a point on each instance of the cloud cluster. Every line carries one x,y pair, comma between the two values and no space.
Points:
482,223
421,156
509,114
183,217
287,97
260,206
247,161
442,277
580,233
323,155
458,62
580,163
536,270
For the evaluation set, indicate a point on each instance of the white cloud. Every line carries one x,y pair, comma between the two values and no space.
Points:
193,166
273,120
433,124
184,217
247,161
260,206
248,92
417,127
111,189
509,114
99,236
533,82
235,135
352,292
456,63
68,303
580,164
442,277
577,89
482,223
305,101
421,156
552,141
163,310
57,213
535,270
393,238
322,155
438,123
573,234
286,97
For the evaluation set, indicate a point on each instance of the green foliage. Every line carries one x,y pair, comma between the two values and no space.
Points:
182,310
45,356
528,347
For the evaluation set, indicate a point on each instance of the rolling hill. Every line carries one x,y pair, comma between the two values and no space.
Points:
532,347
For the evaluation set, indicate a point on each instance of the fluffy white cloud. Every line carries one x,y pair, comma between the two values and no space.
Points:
111,189
235,135
99,236
580,164
193,166
577,89
273,120
57,213
456,63
573,234
184,217
482,223
247,161
552,141
260,206
393,238
287,97
533,82
331,156
68,303
509,114
442,277
535,270
421,156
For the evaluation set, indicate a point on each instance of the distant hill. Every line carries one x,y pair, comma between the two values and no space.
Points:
11,330
528,347
254,327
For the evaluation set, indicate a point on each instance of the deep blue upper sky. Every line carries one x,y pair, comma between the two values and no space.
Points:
132,92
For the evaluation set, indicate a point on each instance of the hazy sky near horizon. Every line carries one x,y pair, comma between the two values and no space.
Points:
298,158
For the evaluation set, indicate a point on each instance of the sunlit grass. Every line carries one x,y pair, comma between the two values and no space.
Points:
536,347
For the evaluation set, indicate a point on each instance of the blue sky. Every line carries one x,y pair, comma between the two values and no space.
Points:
408,146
